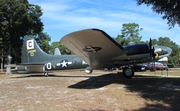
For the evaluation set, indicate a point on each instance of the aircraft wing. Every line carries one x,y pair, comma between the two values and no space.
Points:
94,46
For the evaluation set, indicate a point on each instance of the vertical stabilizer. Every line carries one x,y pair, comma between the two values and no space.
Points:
57,52
32,53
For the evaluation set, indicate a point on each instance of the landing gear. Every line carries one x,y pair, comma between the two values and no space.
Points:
128,72
46,74
88,70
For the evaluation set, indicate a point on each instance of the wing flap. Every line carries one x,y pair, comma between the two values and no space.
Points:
93,45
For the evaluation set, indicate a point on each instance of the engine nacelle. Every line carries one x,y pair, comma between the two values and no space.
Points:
137,49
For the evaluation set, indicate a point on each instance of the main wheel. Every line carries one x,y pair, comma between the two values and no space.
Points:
128,72
88,71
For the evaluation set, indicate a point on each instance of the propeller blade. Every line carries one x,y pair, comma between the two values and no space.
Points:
150,48
150,43
152,54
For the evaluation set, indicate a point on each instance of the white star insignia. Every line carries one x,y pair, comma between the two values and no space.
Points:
64,64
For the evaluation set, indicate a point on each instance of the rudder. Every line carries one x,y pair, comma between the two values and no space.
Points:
32,53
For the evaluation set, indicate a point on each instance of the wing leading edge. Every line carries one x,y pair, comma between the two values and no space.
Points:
94,46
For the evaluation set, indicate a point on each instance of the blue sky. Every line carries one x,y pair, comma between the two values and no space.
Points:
61,17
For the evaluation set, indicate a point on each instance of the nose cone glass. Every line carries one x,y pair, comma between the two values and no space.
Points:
162,50
169,50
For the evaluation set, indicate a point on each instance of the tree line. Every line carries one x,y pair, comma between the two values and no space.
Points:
130,33
20,20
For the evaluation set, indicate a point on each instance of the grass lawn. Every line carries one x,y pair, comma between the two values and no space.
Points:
100,91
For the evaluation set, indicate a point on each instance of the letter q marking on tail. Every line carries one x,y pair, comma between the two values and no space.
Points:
30,44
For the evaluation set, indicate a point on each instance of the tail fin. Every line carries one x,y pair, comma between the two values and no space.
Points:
57,52
32,53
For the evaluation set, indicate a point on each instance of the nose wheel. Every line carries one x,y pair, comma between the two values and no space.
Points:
128,72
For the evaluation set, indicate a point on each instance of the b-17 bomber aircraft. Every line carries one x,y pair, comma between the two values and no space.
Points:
94,46
34,59
99,50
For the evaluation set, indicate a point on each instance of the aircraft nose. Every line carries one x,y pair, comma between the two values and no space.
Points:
169,50
163,50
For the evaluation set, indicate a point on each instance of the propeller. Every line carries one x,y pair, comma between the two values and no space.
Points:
153,56
150,49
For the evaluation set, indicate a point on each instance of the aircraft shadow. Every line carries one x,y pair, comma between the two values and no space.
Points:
164,90
50,75
96,81
104,80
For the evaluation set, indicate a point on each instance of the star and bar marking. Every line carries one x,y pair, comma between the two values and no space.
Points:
64,63
92,49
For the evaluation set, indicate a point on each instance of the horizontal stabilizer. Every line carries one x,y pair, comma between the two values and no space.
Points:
30,68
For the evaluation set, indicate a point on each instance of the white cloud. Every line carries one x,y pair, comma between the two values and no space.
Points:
49,7
69,15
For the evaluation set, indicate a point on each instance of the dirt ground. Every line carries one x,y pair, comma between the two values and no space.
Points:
100,91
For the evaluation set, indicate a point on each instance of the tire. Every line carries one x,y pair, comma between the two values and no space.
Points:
128,72
46,74
88,71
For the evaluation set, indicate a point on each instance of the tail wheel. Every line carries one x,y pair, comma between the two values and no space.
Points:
46,74
128,72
